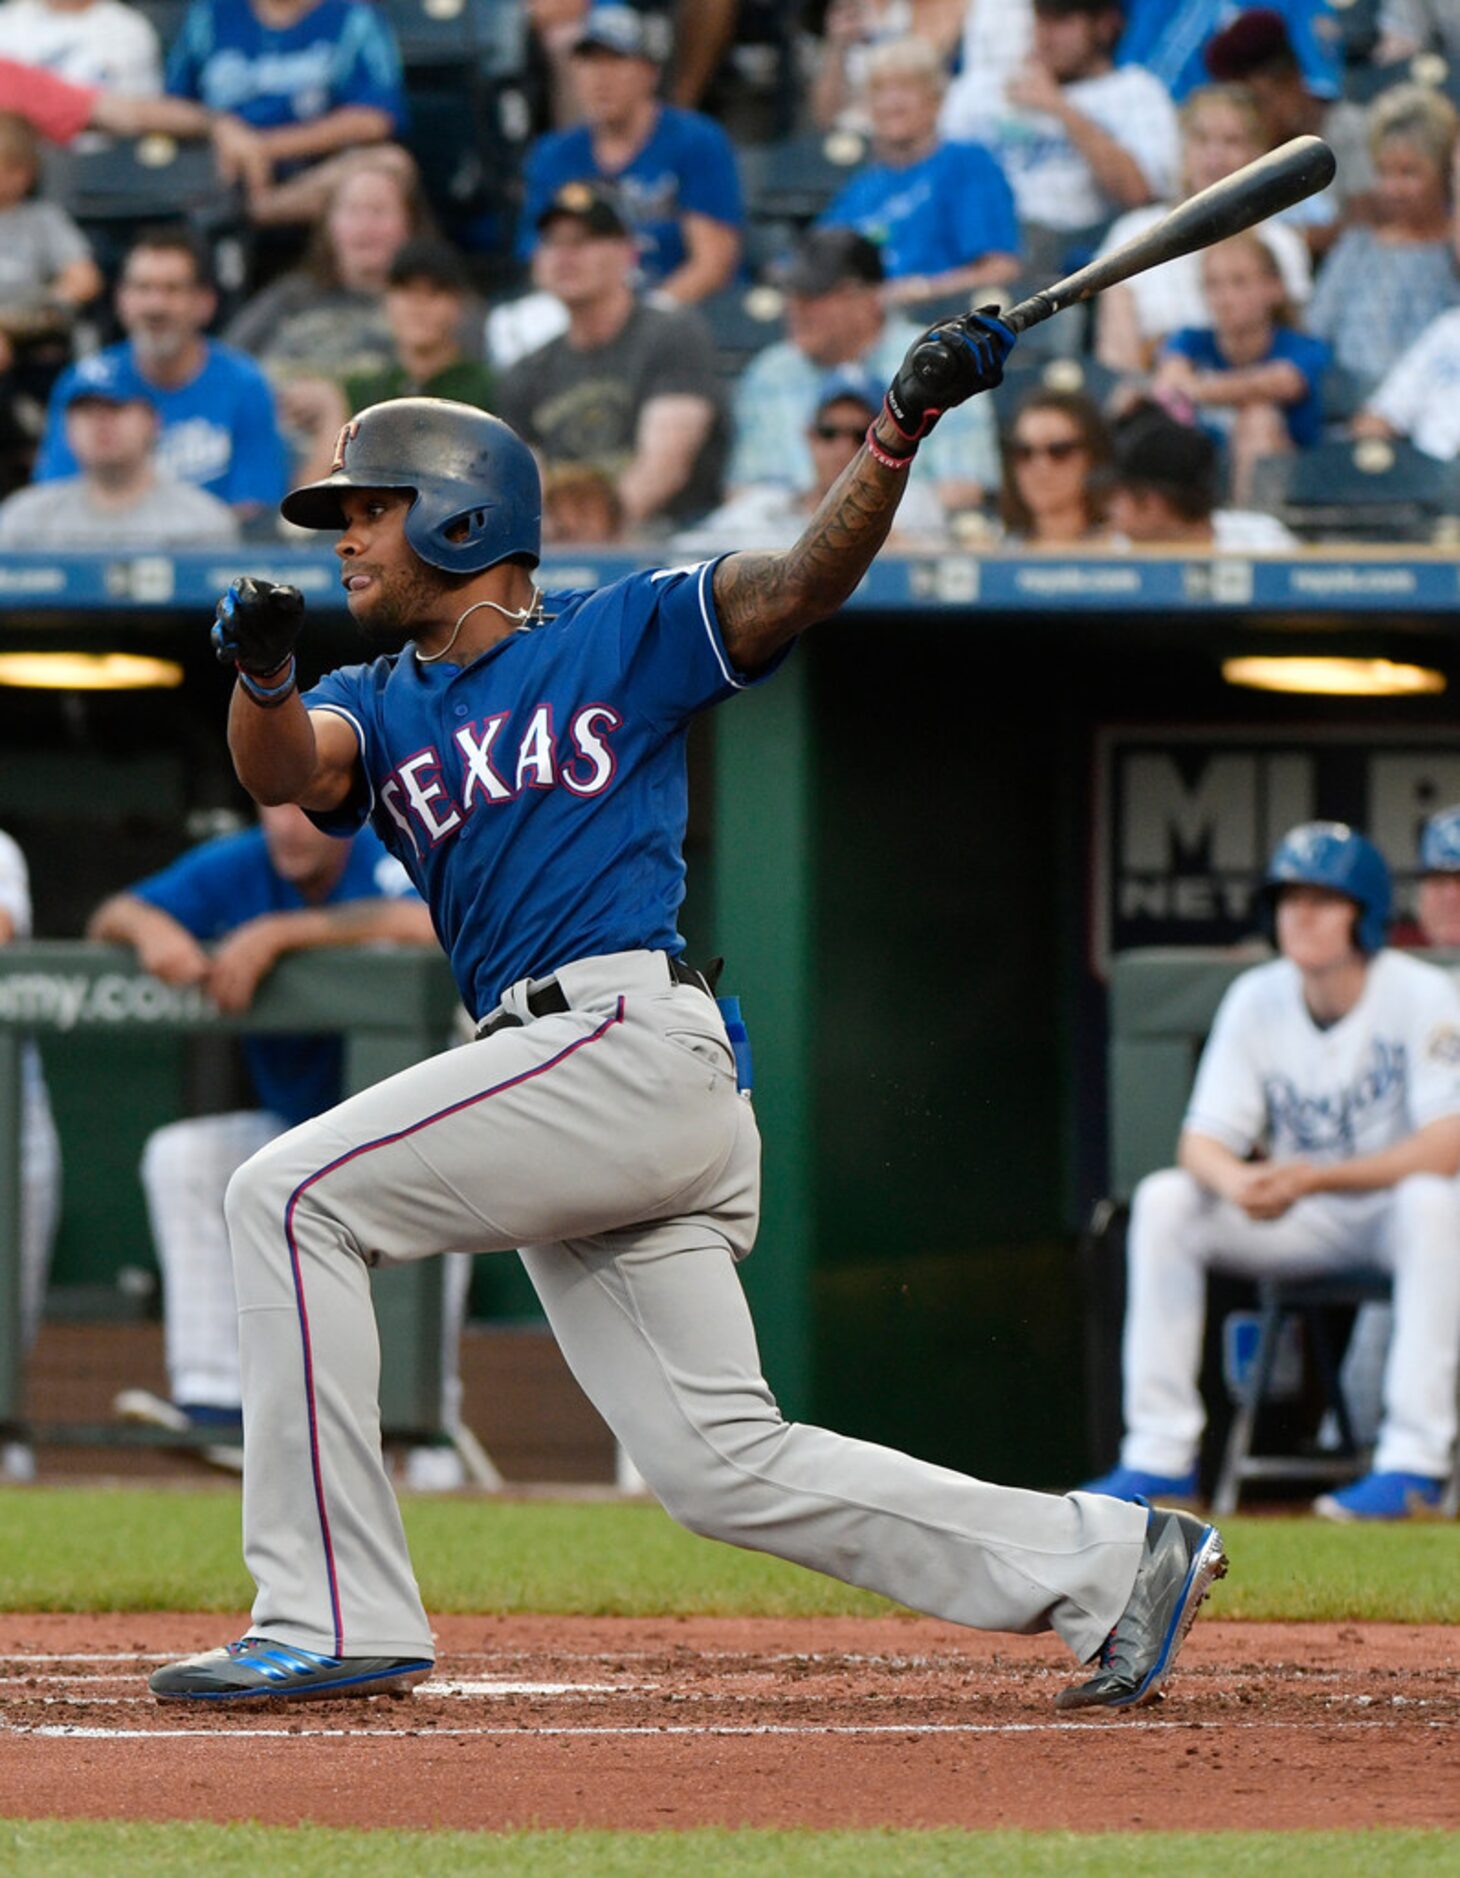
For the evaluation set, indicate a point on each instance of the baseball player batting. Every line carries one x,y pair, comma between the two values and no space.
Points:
523,753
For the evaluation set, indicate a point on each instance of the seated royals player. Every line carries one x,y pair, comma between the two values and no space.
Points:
523,753
1342,1059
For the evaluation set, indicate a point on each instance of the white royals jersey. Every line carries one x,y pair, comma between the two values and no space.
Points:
1270,1076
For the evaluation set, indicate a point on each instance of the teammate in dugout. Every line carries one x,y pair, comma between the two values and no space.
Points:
1437,910
254,897
523,753
1343,1059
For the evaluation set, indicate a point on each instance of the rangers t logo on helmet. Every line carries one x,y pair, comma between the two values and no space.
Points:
347,433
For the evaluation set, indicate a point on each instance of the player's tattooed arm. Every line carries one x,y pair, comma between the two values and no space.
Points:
764,600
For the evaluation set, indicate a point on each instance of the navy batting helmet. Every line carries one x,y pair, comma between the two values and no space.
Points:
1439,843
1333,855
477,495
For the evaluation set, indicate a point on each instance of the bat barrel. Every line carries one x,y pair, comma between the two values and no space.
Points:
1273,183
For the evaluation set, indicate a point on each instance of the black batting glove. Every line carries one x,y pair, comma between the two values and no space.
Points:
257,625
948,365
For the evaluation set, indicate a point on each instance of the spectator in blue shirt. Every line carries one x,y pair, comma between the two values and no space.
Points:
1169,38
293,82
941,213
672,170
217,426
1248,377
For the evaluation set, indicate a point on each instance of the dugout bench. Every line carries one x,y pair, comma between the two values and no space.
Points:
1161,1007
392,1005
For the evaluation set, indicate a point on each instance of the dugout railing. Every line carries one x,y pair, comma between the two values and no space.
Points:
391,1005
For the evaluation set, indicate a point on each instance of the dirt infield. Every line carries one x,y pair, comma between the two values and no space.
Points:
668,1723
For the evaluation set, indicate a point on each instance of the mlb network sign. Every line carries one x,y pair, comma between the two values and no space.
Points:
1185,821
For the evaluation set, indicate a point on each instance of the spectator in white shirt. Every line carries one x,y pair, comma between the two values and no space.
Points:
1164,492
1079,139
1419,397
1220,131
852,31
90,42
997,37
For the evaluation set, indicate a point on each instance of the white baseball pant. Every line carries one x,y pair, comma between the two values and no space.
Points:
186,1168
610,1145
40,1192
1179,1230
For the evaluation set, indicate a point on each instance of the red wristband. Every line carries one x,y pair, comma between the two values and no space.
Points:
883,455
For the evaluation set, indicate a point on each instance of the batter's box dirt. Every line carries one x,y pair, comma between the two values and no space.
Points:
829,1722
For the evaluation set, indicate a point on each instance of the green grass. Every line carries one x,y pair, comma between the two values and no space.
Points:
72,1549
86,1848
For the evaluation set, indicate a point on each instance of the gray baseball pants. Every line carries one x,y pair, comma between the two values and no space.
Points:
610,1145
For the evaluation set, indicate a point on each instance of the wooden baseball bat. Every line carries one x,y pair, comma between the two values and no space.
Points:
1253,193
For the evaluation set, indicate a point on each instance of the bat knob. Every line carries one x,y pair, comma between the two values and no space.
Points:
934,364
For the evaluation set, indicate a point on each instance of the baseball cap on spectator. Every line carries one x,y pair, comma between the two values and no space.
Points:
826,257
1155,451
591,203
625,33
1254,40
850,383
432,260
103,381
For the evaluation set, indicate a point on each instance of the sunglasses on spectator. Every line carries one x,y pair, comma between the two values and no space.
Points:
851,433
1058,450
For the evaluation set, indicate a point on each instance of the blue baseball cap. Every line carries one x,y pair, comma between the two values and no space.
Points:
851,382
104,380
624,32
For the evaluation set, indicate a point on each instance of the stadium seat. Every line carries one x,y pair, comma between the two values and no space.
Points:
1340,395
1366,491
793,181
166,17
1363,83
1029,372
1354,25
137,179
459,34
123,186
469,165
742,320
1311,1299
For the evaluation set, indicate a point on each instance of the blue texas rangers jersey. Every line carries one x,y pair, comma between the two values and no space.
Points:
216,887
537,796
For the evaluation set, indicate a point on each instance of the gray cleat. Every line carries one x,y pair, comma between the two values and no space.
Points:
1182,1560
256,1668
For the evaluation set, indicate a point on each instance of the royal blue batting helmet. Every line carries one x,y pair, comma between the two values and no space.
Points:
1439,843
477,493
1333,855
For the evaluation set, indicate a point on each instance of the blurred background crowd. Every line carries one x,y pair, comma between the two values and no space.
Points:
681,246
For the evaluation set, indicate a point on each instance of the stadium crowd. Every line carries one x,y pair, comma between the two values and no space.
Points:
678,247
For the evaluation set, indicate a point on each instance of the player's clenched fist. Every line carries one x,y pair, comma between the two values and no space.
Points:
257,625
952,361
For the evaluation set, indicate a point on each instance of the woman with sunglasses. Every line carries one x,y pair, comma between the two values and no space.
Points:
1056,459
